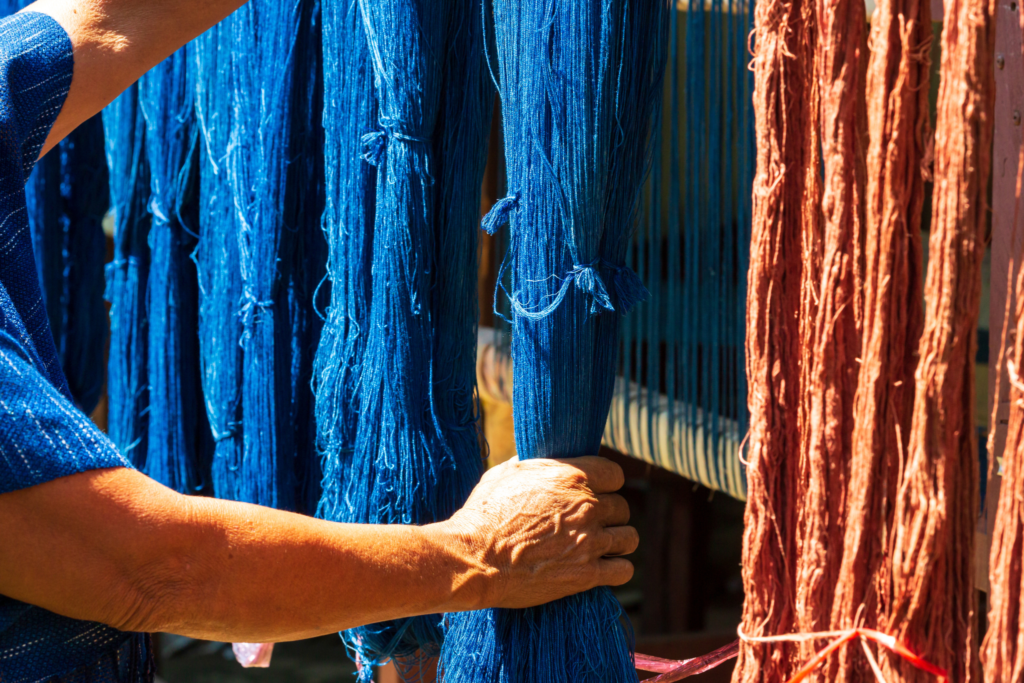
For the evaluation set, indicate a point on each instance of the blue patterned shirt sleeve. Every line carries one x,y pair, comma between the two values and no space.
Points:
43,436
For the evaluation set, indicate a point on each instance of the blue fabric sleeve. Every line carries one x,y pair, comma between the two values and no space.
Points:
43,436
36,66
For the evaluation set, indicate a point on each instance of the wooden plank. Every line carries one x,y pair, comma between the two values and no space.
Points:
1009,105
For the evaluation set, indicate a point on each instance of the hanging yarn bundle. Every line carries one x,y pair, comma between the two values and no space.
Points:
830,316
127,276
304,208
580,87
416,452
177,433
273,57
784,195
933,596
350,112
897,118
217,264
467,103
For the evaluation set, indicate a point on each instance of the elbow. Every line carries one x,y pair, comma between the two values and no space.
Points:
161,586
154,597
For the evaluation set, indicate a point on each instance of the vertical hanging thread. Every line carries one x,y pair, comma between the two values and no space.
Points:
350,112
784,196
832,341
898,128
1002,651
684,371
405,468
466,110
217,261
933,602
127,275
304,208
176,452
270,76
581,86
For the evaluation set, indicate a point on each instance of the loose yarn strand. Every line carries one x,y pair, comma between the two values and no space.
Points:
217,262
831,322
350,112
1002,651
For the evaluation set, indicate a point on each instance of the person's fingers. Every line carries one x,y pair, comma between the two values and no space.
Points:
601,475
612,509
620,540
614,571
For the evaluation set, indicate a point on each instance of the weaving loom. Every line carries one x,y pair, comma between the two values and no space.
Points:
680,400
680,391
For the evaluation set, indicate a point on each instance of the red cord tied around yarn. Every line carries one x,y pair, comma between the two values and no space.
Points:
670,671
840,638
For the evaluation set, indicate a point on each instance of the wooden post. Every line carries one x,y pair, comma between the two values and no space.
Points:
1009,107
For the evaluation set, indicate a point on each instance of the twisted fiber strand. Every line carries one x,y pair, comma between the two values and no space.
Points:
784,212
177,447
897,90
936,505
127,276
581,87
832,341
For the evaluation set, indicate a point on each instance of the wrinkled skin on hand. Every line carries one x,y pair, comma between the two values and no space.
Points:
540,530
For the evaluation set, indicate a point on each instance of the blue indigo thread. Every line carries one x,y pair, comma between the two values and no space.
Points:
580,87
178,435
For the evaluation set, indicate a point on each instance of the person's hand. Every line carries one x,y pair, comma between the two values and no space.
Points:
539,530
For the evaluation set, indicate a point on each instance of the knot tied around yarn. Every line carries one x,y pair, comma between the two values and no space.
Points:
629,290
375,144
251,310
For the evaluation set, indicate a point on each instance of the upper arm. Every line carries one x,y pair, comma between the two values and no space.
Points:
93,546
116,41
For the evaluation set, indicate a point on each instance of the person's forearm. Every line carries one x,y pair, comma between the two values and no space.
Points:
113,546
116,41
